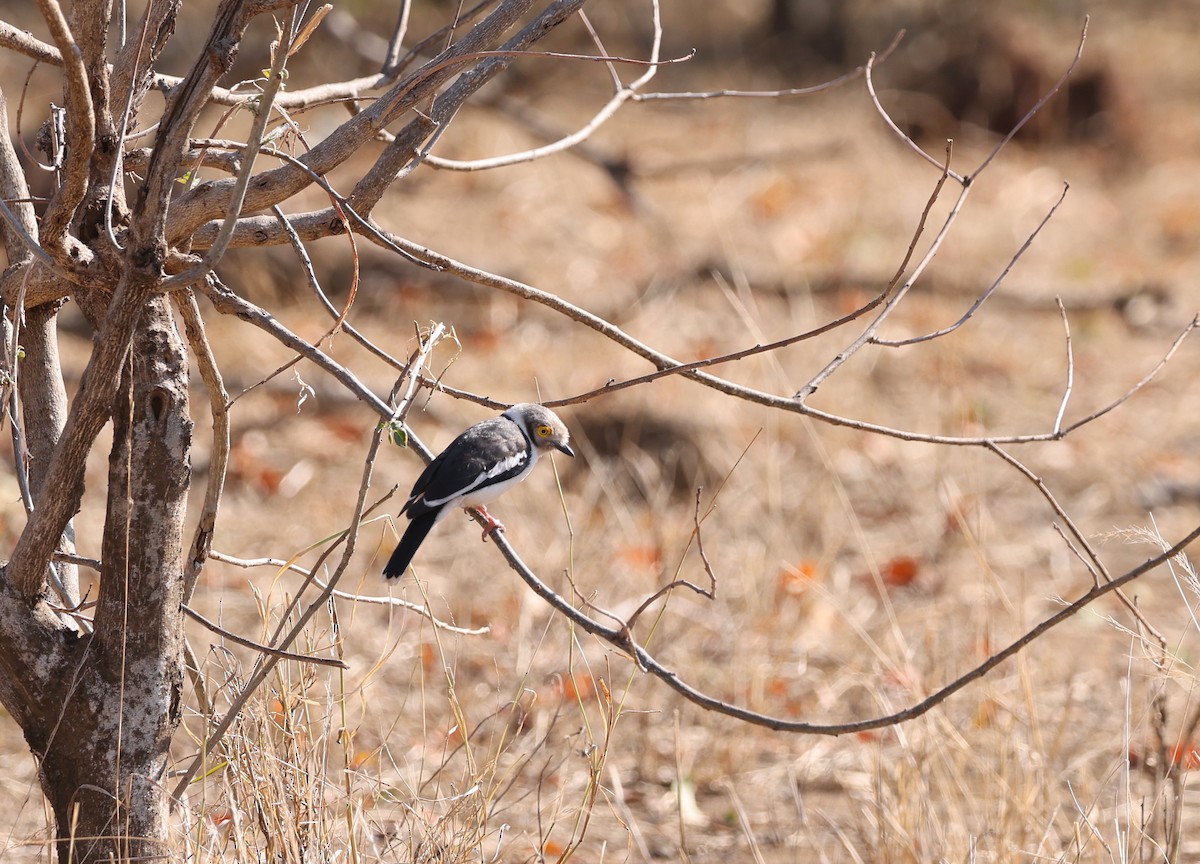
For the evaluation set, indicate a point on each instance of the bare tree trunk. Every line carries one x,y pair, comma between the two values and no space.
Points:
44,413
105,749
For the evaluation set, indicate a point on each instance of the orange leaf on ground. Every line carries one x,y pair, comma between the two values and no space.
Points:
798,579
268,480
575,688
777,687
485,340
643,557
900,571
774,198
344,428
1186,755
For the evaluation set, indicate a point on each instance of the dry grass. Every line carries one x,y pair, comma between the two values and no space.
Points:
856,573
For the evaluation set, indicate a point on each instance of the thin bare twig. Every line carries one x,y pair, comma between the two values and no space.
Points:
898,343
894,300
1097,565
777,94
314,283
1045,492
620,638
1078,553
218,400
259,647
123,127
696,537
398,602
1066,397
887,118
45,259
1037,106
392,58
594,35
697,522
1136,388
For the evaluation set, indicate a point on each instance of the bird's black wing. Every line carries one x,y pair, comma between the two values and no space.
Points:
489,452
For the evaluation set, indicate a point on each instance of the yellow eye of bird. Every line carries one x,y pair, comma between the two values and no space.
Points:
544,431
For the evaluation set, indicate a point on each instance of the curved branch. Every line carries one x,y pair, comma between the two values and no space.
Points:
258,646
966,316
218,399
18,40
622,639
81,132
206,201
622,95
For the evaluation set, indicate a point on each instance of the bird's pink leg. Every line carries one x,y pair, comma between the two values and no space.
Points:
493,524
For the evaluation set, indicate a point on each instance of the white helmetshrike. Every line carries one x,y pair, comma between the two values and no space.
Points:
477,467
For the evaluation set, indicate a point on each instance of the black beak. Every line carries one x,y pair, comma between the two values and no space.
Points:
565,449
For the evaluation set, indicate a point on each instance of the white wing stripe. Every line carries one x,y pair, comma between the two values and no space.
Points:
495,471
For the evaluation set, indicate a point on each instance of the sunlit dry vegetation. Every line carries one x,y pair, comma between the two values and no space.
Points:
856,573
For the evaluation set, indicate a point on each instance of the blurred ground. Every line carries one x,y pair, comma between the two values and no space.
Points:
856,573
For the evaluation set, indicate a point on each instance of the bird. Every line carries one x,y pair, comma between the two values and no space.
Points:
476,468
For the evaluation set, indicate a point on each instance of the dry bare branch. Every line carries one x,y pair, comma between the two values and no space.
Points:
372,600
277,653
619,638
1094,562
622,95
970,313
218,399
81,132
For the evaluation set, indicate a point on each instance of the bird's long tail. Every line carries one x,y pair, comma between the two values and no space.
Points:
417,530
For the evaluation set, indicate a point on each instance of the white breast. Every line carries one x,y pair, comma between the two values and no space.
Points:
485,494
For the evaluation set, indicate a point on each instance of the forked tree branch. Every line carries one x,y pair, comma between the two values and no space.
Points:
208,200
81,133
144,260
218,462
294,625
620,637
